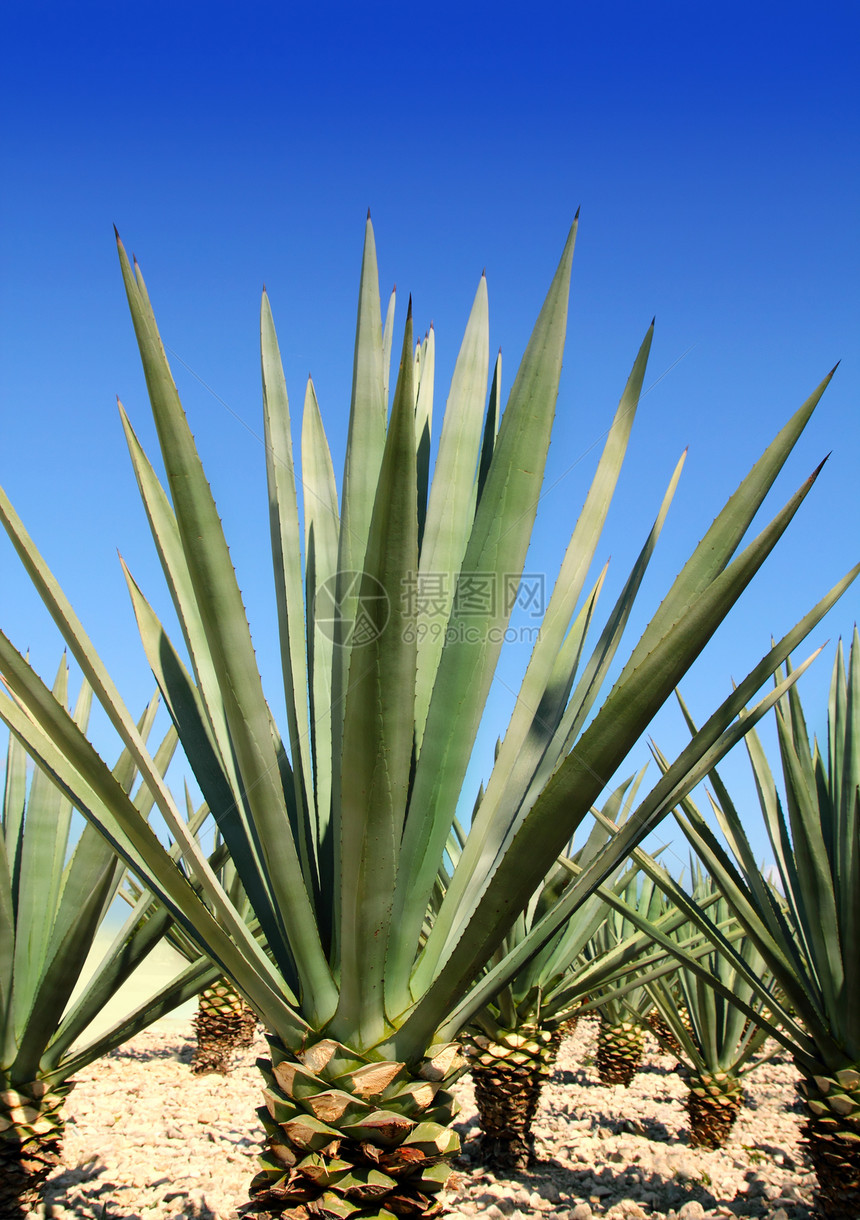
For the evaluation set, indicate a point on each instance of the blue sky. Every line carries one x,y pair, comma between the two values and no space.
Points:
714,153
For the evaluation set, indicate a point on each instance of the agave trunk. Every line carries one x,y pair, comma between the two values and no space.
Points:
508,1073
31,1137
223,1023
619,1051
661,1030
348,1134
833,1140
713,1103
568,1028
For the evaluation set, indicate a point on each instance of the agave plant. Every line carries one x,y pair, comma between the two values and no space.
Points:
223,1023
338,832
807,928
621,1035
623,1012
716,1040
513,1041
56,887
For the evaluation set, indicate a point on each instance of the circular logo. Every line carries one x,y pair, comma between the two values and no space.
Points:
351,608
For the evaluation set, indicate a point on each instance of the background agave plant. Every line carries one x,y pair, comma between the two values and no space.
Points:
56,887
623,1012
716,1041
513,1040
338,832
807,926
223,1022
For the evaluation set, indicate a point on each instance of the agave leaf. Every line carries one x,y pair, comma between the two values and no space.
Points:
847,801
90,880
636,955
229,641
165,534
188,983
364,448
378,722
815,896
632,702
96,675
772,935
321,548
450,509
698,961
35,1033
366,439
542,701
39,869
62,750
142,931
15,763
789,934
713,741
387,339
286,554
14,803
87,862
773,938
426,370
491,428
125,770
582,923
188,713
497,544
542,726
716,548
146,925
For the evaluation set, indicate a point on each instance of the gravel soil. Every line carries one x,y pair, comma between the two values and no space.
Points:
146,1140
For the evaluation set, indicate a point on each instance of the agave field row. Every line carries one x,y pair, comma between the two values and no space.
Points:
336,876
149,1141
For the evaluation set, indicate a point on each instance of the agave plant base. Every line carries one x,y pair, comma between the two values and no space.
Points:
619,1051
31,1138
833,1141
712,1104
350,1136
223,1024
661,1030
508,1073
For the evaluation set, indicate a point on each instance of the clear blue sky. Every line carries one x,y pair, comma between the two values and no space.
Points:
713,150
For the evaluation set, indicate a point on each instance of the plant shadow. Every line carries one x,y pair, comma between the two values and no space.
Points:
152,1054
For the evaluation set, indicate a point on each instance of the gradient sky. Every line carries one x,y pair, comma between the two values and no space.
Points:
713,150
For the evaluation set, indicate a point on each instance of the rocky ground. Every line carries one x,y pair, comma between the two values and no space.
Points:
148,1140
